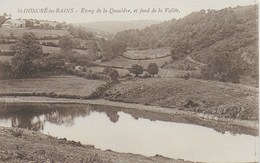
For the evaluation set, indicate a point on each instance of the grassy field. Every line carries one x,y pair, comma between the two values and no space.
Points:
127,63
58,84
5,47
49,49
5,59
55,41
231,100
18,32
148,54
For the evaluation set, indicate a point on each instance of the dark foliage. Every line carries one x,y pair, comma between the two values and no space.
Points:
80,32
113,74
111,49
27,56
153,69
66,43
136,69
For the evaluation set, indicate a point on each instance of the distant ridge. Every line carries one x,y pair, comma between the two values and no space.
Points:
117,26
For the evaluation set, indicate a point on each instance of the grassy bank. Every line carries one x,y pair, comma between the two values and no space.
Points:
221,99
69,85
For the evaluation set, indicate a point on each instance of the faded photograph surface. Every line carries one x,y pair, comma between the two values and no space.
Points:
129,81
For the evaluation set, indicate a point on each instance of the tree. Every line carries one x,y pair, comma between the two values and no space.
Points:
58,26
113,74
107,70
225,65
37,22
29,23
152,69
177,53
136,69
2,20
66,44
28,53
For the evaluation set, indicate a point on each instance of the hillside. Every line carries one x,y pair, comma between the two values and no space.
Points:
205,35
220,99
117,26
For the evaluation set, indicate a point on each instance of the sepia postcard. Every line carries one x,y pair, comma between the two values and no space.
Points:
129,81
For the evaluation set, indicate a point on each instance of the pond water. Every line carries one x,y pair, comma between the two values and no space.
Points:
132,132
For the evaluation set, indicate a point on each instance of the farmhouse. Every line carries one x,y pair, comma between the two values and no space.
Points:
13,23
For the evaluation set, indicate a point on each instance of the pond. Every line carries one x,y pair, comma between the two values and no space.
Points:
129,131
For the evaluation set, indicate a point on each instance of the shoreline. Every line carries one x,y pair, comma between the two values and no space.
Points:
21,145
249,127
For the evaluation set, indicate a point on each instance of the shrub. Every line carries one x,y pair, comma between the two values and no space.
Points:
186,76
16,132
113,74
53,44
136,69
66,43
107,70
152,69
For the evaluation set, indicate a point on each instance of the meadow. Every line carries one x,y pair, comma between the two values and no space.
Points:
62,84
18,32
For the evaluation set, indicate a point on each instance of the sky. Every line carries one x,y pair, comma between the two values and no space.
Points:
14,7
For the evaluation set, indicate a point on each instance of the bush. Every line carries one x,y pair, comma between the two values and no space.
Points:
53,44
66,43
153,69
16,132
113,74
136,69
107,70
186,76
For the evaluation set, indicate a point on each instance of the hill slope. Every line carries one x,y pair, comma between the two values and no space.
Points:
117,26
219,99
204,35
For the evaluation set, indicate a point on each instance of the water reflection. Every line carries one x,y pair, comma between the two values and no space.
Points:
128,130
33,117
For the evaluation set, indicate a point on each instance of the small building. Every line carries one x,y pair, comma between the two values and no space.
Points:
13,23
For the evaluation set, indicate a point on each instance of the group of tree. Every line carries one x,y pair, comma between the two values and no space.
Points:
29,23
111,48
200,34
29,58
80,32
137,69
226,66
197,30
28,55
112,73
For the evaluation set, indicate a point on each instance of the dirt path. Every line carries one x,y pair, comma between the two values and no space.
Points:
151,58
194,61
